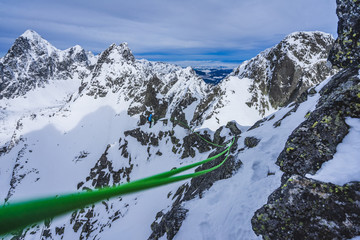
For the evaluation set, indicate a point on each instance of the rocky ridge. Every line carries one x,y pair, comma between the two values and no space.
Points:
276,76
168,223
345,52
32,62
142,86
147,87
285,71
123,152
303,208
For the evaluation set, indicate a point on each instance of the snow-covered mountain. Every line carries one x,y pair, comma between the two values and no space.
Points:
32,62
272,79
77,134
140,86
160,88
89,132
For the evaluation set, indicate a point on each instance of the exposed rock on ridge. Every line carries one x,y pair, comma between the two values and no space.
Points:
314,141
170,222
346,50
304,208
32,62
285,71
275,77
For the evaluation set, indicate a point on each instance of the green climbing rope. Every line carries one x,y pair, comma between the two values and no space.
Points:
16,216
207,141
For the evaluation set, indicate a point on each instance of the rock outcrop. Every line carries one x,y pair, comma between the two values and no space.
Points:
307,209
346,50
170,222
285,71
272,79
315,140
304,208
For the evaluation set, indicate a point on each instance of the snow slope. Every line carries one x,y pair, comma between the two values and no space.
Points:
233,105
272,79
48,169
49,161
345,166
86,132
70,135
32,62
225,211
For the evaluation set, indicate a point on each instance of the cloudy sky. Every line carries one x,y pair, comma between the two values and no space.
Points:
227,31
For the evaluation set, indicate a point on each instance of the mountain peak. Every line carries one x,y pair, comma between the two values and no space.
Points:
125,51
32,61
116,52
31,35
35,39
307,38
77,48
33,42
306,33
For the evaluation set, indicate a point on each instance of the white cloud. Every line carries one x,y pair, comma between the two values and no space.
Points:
167,26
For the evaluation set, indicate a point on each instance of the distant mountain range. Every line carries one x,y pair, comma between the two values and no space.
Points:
212,75
72,121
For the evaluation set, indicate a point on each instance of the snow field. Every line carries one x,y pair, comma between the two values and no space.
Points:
345,165
225,211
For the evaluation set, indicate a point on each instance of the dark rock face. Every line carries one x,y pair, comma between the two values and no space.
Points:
143,137
83,220
171,221
148,100
103,172
193,141
315,140
205,104
307,209
251,142
218,139
277,73
233,128
346,50
178,113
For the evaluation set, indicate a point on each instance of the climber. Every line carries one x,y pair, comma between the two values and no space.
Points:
150,119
